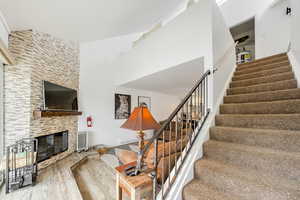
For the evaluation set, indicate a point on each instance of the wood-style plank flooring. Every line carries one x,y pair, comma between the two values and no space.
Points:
56,182
96,180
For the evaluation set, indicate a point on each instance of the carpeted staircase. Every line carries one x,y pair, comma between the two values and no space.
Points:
254,151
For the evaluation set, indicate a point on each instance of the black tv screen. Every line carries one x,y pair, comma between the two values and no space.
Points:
57,97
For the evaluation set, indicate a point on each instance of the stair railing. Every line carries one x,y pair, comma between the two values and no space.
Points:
172,142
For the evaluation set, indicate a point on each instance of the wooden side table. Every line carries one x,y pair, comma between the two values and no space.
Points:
137,187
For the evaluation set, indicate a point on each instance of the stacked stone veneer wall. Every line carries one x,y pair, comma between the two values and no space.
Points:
39,57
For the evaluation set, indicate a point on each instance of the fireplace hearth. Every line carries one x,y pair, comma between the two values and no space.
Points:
51,145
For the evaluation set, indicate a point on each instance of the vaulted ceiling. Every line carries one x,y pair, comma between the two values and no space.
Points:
87,20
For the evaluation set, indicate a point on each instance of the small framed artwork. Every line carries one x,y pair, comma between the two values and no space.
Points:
144,101
122,106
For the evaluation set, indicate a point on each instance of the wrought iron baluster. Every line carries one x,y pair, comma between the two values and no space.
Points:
186,121
176,140
201,100
204,98
190,115
154,175
170,142
163,166
206,94
198,105
181,130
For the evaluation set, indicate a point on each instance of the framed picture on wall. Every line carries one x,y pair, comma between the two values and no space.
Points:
144,101
122,106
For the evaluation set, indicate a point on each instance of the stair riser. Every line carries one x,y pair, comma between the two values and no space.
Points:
264,62
267,79
263,97
280,107
274,140
281,122
238,187
261,68
262,73
282,85
272,164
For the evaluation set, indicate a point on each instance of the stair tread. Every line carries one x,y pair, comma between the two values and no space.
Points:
196,190
263,73
266,93
246,181
265,102
264,84
278,85
259,130
267,107
261,80
262,121
269,65
260,66
247,148
284,140
267,59
274,162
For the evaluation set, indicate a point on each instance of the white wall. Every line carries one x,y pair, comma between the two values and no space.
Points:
294,54
272,25
295,32
185,38
272,30
223,54
238,11
97,89
224,57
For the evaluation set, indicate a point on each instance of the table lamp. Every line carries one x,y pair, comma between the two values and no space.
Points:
141,120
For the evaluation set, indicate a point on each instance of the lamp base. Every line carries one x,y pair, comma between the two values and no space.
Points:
141,136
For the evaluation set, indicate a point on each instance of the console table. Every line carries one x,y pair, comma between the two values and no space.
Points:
137,187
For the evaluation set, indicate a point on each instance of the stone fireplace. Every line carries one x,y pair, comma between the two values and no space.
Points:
39,57
52,145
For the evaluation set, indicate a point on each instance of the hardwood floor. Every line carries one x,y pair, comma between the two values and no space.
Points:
95,179
80,176
56,182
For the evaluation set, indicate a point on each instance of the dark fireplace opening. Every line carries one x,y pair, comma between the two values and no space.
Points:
51,145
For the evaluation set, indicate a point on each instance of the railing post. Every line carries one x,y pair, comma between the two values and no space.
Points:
210,89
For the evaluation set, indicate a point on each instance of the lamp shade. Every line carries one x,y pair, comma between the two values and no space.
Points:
140,120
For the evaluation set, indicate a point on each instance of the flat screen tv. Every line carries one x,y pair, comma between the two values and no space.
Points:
59,98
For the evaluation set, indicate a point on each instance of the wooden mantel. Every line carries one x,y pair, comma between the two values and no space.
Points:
46,113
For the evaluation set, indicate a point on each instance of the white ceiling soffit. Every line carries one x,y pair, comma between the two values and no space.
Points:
86,20
173,81
220,2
